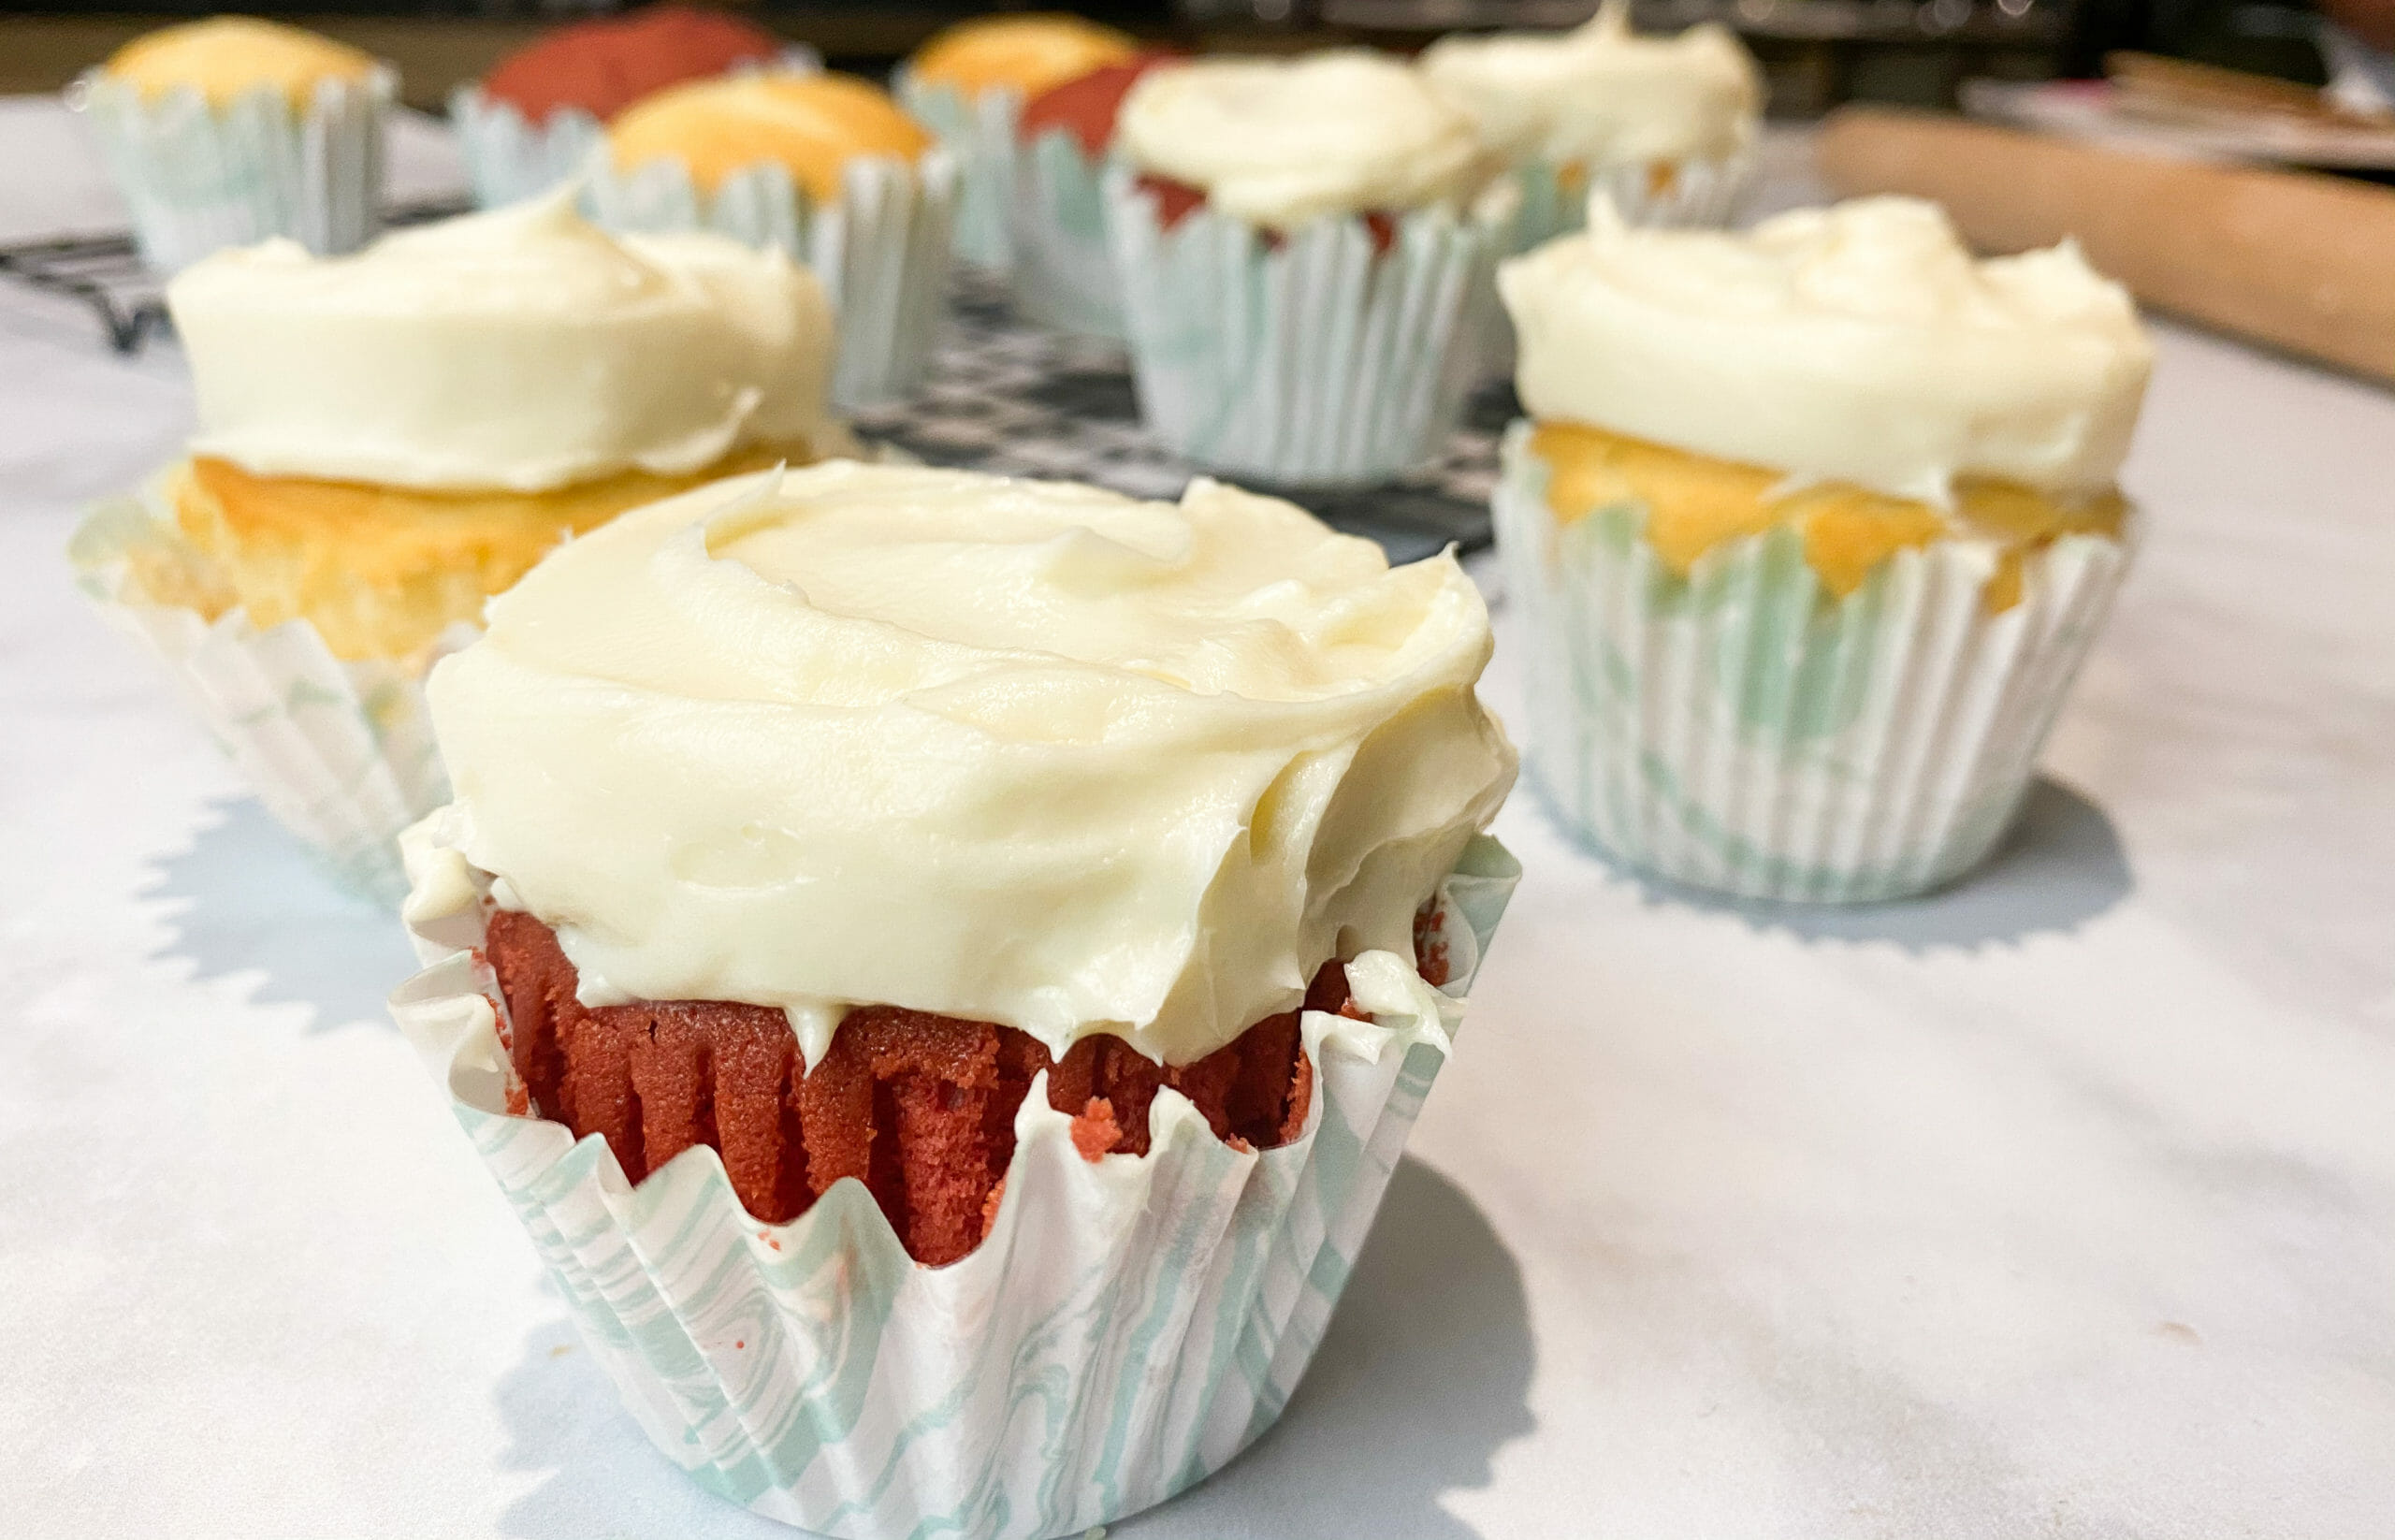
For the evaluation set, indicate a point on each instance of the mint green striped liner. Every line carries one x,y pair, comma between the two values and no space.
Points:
1744,731
979,131
342,753
882,252
1699,195
1129,1326
1064,270
199,179
1305,361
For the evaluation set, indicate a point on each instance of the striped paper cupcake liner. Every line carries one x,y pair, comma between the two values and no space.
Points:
1128,1325
1310,359
1679,195
342,753
979,132
881,251
1064,272
199,179
1744,731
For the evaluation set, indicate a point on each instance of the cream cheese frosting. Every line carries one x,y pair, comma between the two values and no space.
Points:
1601,95
1023,752
1279,142
1858,343
523,349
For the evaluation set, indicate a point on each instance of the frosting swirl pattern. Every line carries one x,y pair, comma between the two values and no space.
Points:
523,350
1601,95
1859,343
1278,142
1025,752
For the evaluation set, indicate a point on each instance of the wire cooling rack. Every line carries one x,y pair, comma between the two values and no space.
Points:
1004,397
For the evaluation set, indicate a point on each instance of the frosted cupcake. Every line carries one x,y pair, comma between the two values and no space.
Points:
1810,529
1664,126
1063,273
387,438
227,131
928,945
970,83
823,166
1299,243
531,121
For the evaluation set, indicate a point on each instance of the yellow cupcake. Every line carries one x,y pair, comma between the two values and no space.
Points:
811,124
225,56
1695,503
1029,52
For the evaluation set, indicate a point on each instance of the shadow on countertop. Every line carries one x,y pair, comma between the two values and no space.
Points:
2061,867
1424,1375
249,899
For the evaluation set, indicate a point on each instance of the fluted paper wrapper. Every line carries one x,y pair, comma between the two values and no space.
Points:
197,178
1127,1327
1678,195
1741,730
979,132
342,753
1064,272
1309,359
881,251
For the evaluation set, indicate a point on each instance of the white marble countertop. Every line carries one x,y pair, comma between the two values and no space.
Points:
2062,1205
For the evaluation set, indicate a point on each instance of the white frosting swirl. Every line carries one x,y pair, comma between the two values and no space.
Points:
1278,142
1601,95
1026,752
1858,343
522,349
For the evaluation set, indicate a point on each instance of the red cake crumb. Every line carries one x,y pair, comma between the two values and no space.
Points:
1177,200
1086,104
605,66
1431,946
919,1108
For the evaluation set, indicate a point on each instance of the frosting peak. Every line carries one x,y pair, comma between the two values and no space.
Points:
1025,752
522,349
1278,142
1858,343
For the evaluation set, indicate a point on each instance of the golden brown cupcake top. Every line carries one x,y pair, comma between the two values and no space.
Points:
812,125
1028,52
224,56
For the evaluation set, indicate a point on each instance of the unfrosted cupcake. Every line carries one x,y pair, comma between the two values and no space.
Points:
227,131
926,945
1300,241
1664,126
1810,528
1064,272
531,121
387,438
970,82
822,166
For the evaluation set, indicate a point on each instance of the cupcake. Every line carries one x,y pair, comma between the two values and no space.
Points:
945,966
1664,126
1064,274
823,166
970,82
532,120
1299,242
227,131
386,440
1810,528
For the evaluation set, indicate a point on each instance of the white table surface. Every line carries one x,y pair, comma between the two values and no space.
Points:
2062,1205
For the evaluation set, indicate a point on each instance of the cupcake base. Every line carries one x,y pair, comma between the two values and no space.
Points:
1741,730
1063,273
1128,1325
980,133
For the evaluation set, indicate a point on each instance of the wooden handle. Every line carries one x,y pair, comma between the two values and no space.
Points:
2301,262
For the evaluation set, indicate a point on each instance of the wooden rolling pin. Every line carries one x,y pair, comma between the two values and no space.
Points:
2297,261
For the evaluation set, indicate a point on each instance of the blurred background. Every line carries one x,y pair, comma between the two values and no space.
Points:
1818,53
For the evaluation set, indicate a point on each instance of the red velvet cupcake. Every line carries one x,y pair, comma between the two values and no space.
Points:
1064,274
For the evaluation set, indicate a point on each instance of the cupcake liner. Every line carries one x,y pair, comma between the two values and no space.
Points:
882,253
509,158
200,179
1127,1327
1684,195
979,132
341,752
1064,272
1740,730
1307,359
